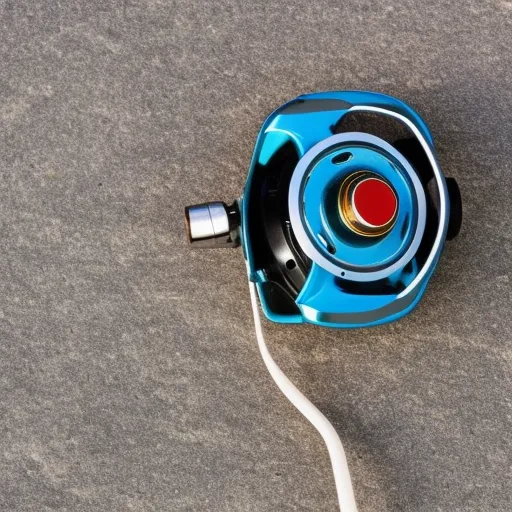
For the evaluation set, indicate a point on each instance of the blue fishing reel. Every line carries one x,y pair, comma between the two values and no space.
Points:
344,214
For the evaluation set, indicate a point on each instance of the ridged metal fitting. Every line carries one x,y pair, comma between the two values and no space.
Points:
212,225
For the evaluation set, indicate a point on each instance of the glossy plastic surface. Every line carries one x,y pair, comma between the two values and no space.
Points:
306,122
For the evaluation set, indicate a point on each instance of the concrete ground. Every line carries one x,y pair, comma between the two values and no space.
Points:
130,378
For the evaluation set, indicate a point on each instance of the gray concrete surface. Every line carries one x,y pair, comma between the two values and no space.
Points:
129,374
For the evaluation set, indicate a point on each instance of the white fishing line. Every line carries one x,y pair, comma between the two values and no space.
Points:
340,470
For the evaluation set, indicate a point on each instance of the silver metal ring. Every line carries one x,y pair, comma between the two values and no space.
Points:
441,186
295,207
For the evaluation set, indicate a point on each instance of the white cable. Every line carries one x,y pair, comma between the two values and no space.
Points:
317,419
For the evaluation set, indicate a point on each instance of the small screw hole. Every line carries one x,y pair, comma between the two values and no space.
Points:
343,273
331,249
290,264
342,158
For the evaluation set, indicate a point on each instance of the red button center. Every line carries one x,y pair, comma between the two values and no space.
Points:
374,202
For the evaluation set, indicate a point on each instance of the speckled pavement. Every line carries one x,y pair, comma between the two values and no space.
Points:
130,378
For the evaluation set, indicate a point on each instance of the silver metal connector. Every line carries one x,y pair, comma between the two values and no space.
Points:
213,225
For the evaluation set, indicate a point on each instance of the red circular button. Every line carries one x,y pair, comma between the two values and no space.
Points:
374,203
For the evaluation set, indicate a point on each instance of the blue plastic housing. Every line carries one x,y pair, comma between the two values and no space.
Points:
305,122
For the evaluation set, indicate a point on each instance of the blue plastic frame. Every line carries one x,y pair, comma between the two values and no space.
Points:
306,121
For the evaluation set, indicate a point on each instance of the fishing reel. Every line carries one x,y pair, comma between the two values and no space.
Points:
344,214
342,221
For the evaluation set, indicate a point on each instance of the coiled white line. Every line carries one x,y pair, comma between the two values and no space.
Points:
340,470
